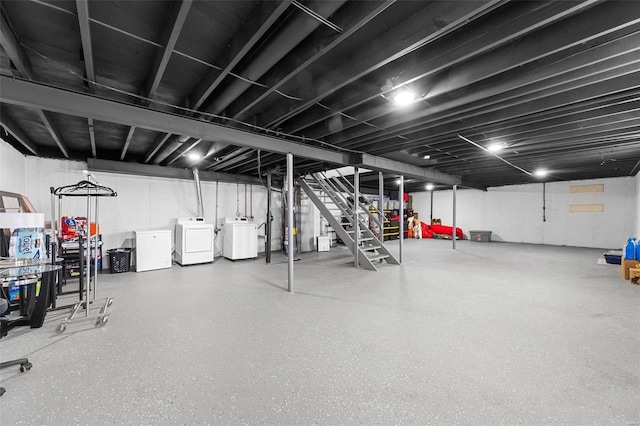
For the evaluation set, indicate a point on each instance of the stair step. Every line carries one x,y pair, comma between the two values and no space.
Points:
368,248
366,239
378,257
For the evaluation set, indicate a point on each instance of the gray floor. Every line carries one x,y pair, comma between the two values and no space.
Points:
492,333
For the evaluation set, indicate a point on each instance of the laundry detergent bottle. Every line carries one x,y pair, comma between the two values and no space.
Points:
630,249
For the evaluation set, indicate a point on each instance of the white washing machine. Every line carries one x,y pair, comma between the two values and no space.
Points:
240,239
194,241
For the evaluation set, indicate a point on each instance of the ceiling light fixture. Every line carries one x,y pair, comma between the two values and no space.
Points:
429,186
540,173
194,156
404,97
399,94
496,147
426,157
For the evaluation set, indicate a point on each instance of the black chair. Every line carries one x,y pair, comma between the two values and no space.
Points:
22,362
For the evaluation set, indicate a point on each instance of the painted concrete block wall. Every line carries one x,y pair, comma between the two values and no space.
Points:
12,169
143,203
152,203
515,213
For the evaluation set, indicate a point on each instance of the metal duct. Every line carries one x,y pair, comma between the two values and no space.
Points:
196,177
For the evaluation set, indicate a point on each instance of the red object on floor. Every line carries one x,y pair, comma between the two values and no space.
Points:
429,230
440,229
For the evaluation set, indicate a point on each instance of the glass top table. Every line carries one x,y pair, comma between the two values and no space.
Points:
23,269
25,274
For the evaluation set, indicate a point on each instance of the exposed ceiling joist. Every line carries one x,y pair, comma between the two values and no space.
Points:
53,131
87,54
240,155
354,19
127,141
87,48
21,61
92,137
159,142
402,40
554,82
13,49
531,49
173,27
248,35
11,127
574,93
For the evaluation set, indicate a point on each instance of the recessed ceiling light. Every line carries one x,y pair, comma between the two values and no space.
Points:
540,173
398,181
404,97
194,156
429,186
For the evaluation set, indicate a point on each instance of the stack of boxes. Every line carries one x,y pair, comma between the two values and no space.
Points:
631,261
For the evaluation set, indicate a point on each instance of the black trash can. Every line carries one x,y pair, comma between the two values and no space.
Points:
119,260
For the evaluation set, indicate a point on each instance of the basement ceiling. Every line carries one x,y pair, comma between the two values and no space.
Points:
556,84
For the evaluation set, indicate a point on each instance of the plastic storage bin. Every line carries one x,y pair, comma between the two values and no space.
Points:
613,259
119,260
484,236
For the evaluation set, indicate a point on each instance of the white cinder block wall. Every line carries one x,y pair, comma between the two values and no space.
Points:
143,203
12,169
514,213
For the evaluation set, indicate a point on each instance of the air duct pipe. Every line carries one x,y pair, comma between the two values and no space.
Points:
196,177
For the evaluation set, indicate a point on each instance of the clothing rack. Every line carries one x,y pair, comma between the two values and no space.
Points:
92,192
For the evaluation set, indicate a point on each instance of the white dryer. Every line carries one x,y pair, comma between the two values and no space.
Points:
194,241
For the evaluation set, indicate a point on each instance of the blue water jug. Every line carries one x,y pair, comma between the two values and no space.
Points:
638,249
630,249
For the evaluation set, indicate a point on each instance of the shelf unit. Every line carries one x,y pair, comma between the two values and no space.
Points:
391,229
70,253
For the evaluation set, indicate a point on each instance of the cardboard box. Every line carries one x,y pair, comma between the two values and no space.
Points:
634,275
626,265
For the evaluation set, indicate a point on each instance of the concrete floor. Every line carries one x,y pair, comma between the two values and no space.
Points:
491,333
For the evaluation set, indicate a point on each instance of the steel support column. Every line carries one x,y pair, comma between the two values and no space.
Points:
453,236
381,204
290,235
401,214
267,224
431,212
356,219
